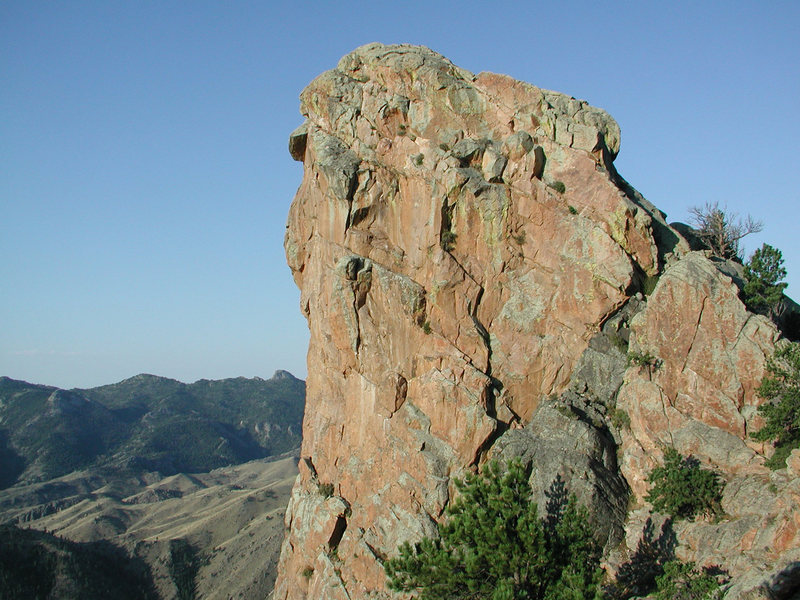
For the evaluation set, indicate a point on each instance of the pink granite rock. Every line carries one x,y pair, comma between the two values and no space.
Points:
458,240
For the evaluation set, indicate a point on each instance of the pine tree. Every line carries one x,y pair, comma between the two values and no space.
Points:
763,289
682,488
494,546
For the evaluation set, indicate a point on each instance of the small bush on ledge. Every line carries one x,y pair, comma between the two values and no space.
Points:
620,419
683,489
643,359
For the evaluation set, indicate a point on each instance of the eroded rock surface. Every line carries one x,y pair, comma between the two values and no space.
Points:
471,268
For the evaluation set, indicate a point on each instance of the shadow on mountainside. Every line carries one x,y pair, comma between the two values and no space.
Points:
12,463
184,564
36,564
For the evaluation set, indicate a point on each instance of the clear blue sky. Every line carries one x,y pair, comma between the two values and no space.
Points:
145,181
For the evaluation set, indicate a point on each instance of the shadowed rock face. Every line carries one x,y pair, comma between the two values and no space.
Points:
465,250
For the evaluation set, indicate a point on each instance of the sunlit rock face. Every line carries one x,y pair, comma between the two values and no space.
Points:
471,268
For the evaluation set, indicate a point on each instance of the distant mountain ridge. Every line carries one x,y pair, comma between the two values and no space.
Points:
146,423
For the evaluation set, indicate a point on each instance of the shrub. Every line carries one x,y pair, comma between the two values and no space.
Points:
494,545
781,387
620,419
619,342
681,581
682,489
643,359
763,289
307,572
325,489
448,240
572,209
558,186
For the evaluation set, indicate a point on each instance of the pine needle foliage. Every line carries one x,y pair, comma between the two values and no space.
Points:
494,546
682,489
763,289
682,581
782,413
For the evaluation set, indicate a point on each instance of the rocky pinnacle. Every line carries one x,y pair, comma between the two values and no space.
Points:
474,271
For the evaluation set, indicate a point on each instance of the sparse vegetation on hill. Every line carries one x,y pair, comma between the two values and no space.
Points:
183,567
217,533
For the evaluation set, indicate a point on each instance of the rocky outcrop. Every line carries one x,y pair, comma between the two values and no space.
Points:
699,397
472,269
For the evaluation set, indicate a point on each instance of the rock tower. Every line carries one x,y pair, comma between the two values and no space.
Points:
474,271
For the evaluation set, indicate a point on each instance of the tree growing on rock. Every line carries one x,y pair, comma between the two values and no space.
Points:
781,387
682,489
494,546
763,289
721,230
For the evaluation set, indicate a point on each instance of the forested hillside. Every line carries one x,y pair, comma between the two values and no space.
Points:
146,423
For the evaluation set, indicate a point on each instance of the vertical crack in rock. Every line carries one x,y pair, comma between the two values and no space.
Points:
664,402
357,272
492,388
447,237
694,334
